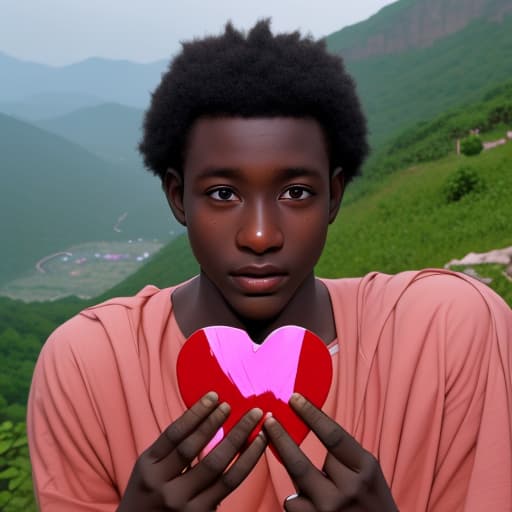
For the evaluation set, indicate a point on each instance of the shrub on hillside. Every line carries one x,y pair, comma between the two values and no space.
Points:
461,182
16,490
471,145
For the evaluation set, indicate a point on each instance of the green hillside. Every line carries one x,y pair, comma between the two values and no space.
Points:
402,89
110,130
409,223
436,138
55,194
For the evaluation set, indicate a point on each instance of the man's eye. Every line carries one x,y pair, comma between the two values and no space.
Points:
222,194
296,193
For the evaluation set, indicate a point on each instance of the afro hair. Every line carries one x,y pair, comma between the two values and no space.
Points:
257,74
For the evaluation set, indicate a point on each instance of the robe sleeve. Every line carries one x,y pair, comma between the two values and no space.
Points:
490,484
469,333
68,447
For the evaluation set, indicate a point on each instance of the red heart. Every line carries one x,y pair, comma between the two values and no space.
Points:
247,375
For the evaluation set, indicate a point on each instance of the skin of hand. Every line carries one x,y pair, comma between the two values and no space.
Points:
163,479
351,478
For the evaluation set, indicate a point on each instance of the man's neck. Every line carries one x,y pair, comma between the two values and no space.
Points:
199,304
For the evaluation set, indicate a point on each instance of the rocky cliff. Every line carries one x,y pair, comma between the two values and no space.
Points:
409,24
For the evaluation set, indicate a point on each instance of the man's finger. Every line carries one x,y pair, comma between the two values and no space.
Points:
182,427
190,448
336,439
206,472
236,474
309,481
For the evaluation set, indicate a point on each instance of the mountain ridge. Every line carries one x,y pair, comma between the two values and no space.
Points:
109,130
95,76
410,24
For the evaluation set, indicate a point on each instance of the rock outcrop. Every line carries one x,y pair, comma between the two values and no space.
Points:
413,24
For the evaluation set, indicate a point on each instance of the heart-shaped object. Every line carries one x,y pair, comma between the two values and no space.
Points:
247,375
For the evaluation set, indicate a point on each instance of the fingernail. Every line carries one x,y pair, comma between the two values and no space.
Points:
269,418
224,407
297,399
256,413
262,436
291,497
210,398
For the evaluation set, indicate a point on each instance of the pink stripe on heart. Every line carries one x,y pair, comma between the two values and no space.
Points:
256,369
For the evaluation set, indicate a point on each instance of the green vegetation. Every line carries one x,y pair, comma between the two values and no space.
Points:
462,182
408,223
23,328
471,145
16,492
431,140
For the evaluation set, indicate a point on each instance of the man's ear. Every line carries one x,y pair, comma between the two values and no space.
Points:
172,185
336,193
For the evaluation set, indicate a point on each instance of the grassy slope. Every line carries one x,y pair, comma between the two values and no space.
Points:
407,223
434,139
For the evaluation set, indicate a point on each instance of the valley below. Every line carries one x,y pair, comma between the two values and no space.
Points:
84,270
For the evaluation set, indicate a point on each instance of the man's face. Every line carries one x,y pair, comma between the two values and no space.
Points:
257,202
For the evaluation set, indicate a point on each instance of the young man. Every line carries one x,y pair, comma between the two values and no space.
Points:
254,139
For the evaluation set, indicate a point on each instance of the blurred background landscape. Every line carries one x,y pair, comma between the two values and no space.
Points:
81,220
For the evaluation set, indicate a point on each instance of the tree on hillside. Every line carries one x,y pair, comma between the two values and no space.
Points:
471,145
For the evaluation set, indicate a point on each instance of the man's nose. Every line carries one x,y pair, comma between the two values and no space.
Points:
260,229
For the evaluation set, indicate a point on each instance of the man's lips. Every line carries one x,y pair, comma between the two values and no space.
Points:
258,279
259,271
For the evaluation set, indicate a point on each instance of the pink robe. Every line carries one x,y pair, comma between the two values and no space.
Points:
422,380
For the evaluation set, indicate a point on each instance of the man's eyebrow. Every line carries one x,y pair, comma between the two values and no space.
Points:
219,172
285,173
297,172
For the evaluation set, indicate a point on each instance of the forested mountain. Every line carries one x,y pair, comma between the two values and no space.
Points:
403,87
55,193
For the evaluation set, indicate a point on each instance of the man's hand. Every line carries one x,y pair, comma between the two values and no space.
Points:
351,479
163,479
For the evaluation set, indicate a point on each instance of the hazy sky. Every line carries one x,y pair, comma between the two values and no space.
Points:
64,31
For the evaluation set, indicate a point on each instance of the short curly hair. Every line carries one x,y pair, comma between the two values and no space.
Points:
257,74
